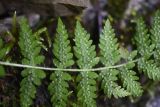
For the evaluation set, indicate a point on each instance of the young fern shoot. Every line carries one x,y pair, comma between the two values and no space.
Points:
58,88
30,50
109,57
86,55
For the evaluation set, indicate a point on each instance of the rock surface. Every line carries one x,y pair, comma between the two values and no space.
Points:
45,7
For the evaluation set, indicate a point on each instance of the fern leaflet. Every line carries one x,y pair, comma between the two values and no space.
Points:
142,39
30,49
110,56
155,35
86,55
145,48
128,76
63,59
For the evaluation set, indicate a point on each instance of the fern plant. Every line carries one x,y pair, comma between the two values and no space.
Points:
58,88
86,59
117,77
30,49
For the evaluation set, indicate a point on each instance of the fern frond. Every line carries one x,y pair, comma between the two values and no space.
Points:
86,55
108,46
145,49
155,35
30,50
128,76
58,88
109,57
142,38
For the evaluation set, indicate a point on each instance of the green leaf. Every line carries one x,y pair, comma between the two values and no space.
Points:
86,59
40,74
145,47
110,55
58,88
108,46
155,35
92,75
66,76
30,50
142,38
39,59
